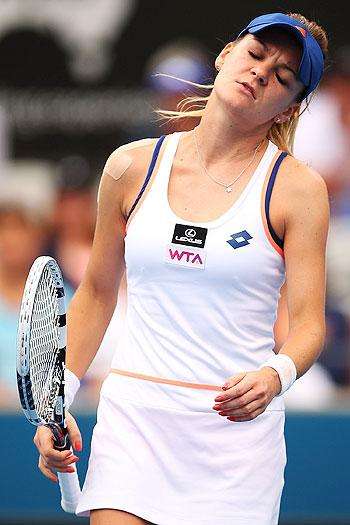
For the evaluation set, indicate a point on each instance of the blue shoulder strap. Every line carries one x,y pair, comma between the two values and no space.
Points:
149,174
270,185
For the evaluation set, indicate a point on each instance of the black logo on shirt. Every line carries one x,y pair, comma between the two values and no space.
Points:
189,235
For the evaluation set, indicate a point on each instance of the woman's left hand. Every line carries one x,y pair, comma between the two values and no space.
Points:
246,395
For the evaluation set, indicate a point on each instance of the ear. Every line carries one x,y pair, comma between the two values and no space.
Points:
285,115
220,59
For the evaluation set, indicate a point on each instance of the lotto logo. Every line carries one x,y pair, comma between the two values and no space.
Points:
239,239
194,259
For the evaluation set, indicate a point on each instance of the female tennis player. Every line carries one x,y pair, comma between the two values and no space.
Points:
208,223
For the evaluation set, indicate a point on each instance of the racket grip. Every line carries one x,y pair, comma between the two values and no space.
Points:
70,490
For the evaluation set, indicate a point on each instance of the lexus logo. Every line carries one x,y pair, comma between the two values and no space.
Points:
190,232
187,235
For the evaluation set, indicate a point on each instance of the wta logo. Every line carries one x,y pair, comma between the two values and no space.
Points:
186,258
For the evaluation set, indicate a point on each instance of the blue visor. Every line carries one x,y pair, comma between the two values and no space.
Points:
312,62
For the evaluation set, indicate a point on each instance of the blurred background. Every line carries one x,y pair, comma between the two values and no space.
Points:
77,80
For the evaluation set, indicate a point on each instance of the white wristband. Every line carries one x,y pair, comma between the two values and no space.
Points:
71,387
285,369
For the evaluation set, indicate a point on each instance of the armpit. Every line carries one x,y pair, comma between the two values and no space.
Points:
121,159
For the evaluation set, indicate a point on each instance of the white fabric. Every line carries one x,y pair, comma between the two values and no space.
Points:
199,325
160,451
180,466
71,387
285,369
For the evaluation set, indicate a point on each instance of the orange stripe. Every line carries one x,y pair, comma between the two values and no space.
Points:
302,31
162,380
263,214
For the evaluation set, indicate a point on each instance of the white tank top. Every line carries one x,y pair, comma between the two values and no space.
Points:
202,297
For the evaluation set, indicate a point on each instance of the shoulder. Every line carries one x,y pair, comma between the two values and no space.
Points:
298,182
132,155
301,176
123,175
302,191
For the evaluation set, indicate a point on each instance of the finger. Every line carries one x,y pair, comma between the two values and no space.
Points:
46,471
44,442
52,455
240,402
74,432
70,460
239,419
56,465
245,411
58,468
65,469
238,390
233,380
43,436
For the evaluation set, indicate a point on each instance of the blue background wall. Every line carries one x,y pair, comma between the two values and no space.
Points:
317,475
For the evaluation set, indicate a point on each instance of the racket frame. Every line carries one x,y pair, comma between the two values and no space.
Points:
69,483
24,340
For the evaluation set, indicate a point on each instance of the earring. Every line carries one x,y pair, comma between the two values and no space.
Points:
277,120
217,67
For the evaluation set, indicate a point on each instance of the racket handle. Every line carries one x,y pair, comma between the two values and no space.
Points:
69,481
70,490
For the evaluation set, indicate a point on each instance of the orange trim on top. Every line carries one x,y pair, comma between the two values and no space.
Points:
262,205
162,380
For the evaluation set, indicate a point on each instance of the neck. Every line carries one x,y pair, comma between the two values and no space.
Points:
224,137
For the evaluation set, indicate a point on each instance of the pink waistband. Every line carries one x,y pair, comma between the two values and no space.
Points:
155,379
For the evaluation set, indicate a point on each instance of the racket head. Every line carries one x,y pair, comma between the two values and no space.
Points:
41,344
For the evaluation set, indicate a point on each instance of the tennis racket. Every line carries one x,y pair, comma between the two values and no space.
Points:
40,363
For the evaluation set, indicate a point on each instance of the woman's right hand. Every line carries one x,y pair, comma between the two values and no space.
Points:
58,460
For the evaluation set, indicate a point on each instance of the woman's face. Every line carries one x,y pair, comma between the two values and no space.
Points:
258,75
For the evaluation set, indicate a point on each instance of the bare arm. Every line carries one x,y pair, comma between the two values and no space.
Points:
305,247
306,217
94,302
88,316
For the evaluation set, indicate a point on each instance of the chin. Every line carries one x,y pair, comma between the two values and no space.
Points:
238,107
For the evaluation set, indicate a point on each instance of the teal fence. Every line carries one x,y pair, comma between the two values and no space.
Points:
317,486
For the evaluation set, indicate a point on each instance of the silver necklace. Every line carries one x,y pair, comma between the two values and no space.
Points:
228,187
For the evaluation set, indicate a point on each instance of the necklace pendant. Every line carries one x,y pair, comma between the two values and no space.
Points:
228,189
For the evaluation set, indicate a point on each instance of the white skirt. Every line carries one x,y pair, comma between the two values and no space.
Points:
162,453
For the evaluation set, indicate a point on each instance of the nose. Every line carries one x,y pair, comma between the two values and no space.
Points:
260,74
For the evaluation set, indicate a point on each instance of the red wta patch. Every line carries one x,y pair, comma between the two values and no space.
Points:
302,31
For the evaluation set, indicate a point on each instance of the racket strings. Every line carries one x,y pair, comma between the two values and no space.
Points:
44,347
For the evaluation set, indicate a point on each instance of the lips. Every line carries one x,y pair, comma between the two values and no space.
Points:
249,88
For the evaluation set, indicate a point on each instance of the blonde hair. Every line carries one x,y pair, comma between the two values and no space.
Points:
281,134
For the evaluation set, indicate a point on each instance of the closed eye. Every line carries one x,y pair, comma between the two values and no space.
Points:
253,55
260,57
280,80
